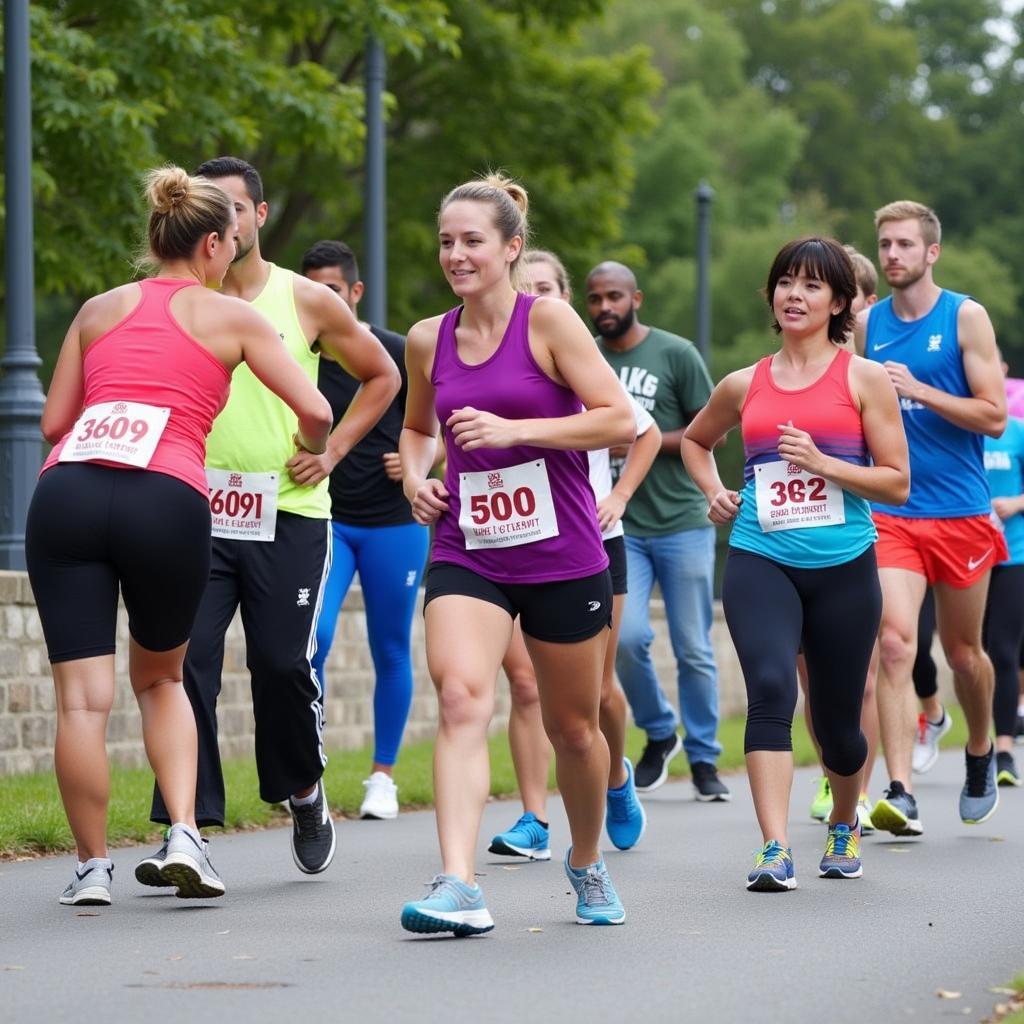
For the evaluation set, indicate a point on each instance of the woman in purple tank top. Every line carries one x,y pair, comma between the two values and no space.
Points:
521,393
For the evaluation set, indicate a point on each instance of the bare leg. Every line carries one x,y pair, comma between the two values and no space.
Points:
569,678
168,726
531,751
466,640
902,594
85,695
613,703
959,614
771,779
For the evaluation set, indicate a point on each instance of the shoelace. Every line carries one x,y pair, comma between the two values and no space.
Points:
840,843
922,727
769,854
977,775
595,889
308,817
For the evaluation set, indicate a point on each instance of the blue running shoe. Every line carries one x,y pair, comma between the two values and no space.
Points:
842,853
980,796
897,813
452,906
528,837
773,869
596,899
625,819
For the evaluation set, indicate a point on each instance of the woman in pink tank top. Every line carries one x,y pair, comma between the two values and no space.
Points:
822,436
521,393
121,505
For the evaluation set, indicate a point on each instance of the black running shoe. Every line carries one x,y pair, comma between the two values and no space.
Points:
312,834
652,768
1006,770
707,786
1019,731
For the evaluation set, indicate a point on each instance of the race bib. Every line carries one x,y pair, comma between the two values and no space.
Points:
125,432
790,498
243,506
507,507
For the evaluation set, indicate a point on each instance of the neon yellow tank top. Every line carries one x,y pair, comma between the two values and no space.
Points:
254,432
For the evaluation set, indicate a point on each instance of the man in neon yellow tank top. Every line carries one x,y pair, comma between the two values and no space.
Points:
271,535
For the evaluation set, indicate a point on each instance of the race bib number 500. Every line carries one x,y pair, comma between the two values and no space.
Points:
790,498
243,506
125,432
507,507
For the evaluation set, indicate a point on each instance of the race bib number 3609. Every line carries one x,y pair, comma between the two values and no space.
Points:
124,432
790,498
504,508
243,506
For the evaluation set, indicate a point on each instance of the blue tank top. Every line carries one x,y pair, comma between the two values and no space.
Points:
947,469
1004,464
826,410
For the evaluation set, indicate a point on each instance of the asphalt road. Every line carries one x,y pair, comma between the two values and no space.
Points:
944,912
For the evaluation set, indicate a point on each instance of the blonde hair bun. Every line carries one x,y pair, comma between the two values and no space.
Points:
167,188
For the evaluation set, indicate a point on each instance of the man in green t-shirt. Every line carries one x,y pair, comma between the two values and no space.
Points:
668,539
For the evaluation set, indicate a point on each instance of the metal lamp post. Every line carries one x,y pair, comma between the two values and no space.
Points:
704,195
375,231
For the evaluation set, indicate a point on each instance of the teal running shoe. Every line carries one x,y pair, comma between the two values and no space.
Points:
596,899
528,837
773,869
842,853
625,819
980,796
451,906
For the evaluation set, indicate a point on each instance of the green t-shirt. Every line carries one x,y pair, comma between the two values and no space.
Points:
667,376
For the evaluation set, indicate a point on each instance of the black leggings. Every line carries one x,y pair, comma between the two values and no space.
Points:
834,612
925,673
1004,629
91,529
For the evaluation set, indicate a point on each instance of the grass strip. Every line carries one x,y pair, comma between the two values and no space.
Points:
32,817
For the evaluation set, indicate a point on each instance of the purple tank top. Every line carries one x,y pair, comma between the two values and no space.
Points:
515,515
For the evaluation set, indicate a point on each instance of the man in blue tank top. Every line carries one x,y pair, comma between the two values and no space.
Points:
939,348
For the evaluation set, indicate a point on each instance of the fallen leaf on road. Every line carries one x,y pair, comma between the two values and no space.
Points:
227,931
999,991
535,929
13,967
178,957
243,956
898,849
997,839
510,867
87,913
943,993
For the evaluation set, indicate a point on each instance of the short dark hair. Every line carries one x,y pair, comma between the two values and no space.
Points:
328,253
234,167
826,260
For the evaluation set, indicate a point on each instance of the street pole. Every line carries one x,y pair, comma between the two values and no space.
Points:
375,230
21,396
704,195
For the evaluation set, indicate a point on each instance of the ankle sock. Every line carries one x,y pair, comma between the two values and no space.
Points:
305,801
94,862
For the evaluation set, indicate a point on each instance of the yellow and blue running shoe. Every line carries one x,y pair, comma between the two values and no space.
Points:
842,853
451,906
773,869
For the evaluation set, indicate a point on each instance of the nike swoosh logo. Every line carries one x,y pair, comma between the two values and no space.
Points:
973,563
878,348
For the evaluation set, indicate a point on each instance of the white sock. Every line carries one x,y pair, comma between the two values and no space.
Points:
303,801
94,862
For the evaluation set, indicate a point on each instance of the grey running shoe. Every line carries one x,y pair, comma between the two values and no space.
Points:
147,871
980,796
1006,770
187,866
313,836
90,887
897,813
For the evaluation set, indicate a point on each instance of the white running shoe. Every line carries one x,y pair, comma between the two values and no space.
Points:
926,742
381,800
91,885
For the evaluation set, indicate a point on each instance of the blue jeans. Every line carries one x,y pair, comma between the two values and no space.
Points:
683,565
390,562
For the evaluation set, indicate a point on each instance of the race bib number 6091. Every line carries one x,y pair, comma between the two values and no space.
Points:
243,506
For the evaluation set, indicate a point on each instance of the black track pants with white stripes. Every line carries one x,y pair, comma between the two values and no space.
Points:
278,586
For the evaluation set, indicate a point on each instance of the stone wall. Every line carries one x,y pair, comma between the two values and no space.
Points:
27,718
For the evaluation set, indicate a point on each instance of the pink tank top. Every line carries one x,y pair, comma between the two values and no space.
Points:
148,358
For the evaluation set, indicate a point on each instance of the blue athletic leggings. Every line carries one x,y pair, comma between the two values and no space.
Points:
390,562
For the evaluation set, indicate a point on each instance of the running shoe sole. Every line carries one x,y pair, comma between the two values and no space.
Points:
187,876
767,882
147,872
978,821
715,798
602,920
92,896
504,849
887,818
460,923
838,872
386,816
1005,778
664,768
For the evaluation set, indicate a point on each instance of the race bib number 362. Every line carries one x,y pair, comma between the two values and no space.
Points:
507,507
124,432
243,506
790,498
